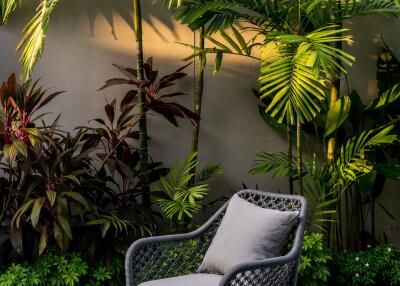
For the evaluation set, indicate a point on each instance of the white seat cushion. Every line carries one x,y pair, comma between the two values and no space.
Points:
187,280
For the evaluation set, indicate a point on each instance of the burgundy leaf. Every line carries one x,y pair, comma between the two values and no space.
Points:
135,158
176,109
49,98
128,98
150,62
133,135
184,67
99,120
164,84
117,81
172,94
110,111
144,83
129,72
126,154
91,141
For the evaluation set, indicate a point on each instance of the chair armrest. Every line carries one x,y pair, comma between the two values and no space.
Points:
280,271
166,256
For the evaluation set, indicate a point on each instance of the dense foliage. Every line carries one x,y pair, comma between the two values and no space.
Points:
57,186
374,266
64,269
315,258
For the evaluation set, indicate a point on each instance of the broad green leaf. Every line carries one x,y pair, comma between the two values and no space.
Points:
78,198
218,62
21,147
72,178
36,210
390,171
58,234
337,114
65,225
21,211
366,182
43,240
51,196
10,152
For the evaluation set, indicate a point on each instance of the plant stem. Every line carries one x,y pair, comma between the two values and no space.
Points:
373,219
141,98
290,157
299,158
198,95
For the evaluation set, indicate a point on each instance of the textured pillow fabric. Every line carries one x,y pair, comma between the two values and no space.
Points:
187,280
247,233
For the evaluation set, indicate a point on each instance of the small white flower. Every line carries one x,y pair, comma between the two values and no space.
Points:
389,249
369,246
357,275
367,264
357,258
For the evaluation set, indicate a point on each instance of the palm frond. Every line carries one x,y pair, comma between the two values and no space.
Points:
277,163
207,173
169,4
180,174
385,99
6,8
118,223
352,162
233,43
352,8
34,37
294,71
182,190
322,204
219,15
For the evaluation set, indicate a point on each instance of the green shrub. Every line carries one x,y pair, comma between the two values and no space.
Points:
374,266
315,256
58,269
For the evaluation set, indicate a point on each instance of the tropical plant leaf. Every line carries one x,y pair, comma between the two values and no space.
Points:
390,171
388,97
208,173
277,163
337,114
34,37
36,210
291,74
6,8
352,162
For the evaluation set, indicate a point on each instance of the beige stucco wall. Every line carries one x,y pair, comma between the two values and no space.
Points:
85,37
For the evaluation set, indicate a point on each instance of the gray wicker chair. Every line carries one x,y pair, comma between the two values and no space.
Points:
174,255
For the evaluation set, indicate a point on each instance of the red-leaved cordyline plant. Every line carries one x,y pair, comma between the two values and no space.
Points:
18,105
154,90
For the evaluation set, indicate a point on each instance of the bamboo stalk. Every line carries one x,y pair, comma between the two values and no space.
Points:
290,157
299,159
198,95
141,98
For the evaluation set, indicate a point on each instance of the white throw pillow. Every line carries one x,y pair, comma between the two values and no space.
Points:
247,233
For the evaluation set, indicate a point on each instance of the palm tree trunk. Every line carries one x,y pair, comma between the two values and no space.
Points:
141,97
331,147
290,157
372,219
299,159
198,95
